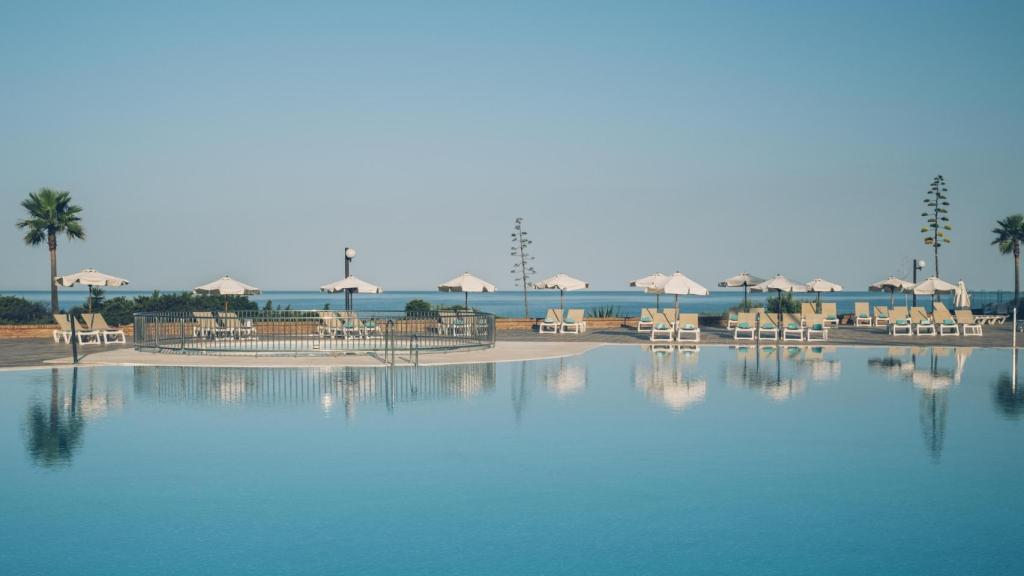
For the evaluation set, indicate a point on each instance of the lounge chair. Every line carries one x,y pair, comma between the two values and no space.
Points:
828,310
900,322
371,328
552,322
922,322
817,328
330,324
968,324
84,335
235,327
732,320
807,309
662,329
646,320
689,325
882,316
861,314
744,329
945,321
207,326
767,329
108,334
672,314
792,327
574,321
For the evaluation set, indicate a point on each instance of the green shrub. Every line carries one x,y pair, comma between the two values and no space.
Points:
417,306
17,310
604,312
118,311
786,300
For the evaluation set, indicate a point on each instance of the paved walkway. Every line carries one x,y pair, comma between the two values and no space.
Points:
512,346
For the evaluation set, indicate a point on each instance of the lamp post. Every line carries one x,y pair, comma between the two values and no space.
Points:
918,265
350,253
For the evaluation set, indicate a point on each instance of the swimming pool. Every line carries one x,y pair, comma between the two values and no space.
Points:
624,461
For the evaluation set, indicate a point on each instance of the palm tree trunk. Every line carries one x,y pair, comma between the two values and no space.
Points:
51,241
1016,273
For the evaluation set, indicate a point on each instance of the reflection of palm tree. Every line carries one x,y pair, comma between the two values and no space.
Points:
934,405
1009,397
52,435
519,393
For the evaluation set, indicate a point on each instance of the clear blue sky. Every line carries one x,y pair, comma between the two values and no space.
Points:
260,139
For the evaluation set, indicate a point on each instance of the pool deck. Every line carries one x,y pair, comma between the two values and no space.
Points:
512,346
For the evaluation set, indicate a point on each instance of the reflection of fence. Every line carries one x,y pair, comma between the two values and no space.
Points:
312,332
280,386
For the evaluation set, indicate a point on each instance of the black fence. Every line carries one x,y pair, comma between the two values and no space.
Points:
313,332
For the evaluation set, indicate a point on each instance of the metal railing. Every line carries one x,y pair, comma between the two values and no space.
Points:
313,332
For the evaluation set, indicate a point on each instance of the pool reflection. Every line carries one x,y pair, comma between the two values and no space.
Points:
672,378
1007,392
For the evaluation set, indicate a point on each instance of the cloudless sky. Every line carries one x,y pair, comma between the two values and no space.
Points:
259,139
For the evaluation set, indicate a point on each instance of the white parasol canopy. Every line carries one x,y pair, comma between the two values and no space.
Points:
892,285
351,284
744,280
934,285
563,283
820,285
226,286
466,283
649,282
678,285
89,277
779,284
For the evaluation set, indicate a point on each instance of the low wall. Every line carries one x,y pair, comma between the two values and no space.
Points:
12,331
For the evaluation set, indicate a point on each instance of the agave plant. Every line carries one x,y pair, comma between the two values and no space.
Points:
936,214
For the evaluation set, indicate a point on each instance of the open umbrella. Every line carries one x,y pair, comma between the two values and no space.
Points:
819,285
779,284
678,285
562,283
742,279
466,283
649,282
89,277
963,297
351,285
934,286
892,285
226,286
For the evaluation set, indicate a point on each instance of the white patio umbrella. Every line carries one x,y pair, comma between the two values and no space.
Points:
563,283
679,285
89,277
819,285
892,285
226,286
648,282
779,284
934,287
352,285
743,279
963,297
466,283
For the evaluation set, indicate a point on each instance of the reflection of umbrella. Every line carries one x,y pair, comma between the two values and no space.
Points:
677,285
562,283
226,286
668,384
566,380
351,285
819,285
963,297
780,284
89,277
892,285
649,282
466,283
742,279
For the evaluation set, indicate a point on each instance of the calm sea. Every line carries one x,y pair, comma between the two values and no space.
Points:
509,303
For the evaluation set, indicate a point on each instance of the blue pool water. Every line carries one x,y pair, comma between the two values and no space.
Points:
623,461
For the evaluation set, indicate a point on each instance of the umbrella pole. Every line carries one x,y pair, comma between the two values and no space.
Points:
677,302
780,311
817,306
466,305
657,301
561,299
746,305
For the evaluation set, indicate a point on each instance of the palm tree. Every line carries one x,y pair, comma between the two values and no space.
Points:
51,213
1009,236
